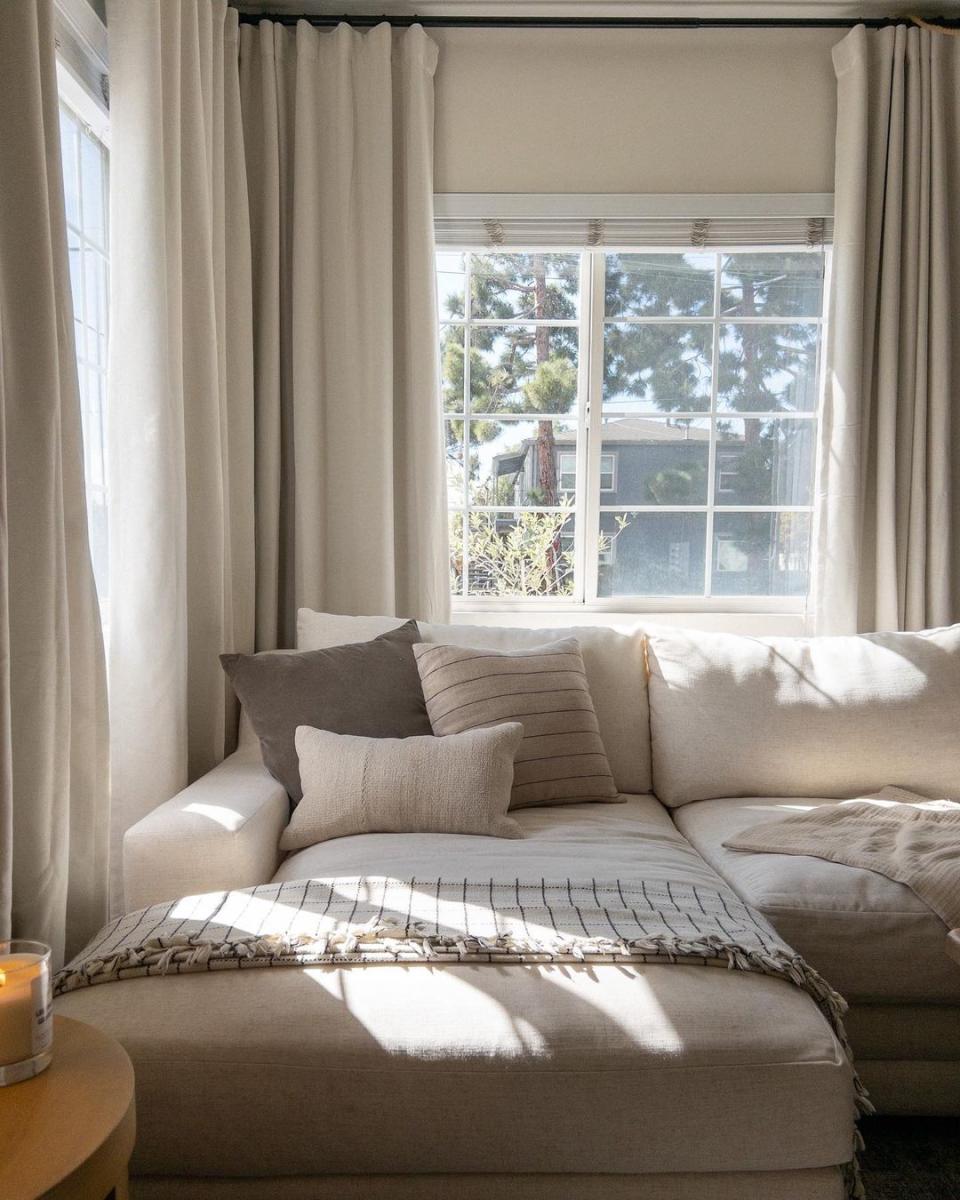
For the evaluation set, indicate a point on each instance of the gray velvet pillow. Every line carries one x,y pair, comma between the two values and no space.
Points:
368,689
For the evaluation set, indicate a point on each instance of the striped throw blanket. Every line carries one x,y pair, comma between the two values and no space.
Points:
370,920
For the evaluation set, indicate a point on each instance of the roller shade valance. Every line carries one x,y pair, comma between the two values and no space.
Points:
498,219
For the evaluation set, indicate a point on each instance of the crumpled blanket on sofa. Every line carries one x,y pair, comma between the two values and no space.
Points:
370,920
901,834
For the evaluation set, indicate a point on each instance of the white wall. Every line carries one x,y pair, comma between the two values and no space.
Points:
635,110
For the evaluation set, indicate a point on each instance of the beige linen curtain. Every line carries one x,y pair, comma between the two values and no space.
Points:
351,509
53,719
888,541
275,426
180,396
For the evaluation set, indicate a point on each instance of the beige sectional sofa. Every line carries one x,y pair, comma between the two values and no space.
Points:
537,1080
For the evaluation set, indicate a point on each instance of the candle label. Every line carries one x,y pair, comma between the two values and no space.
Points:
42,1029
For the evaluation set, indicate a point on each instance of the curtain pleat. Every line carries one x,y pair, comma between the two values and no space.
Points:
275,429
180,397
888,538
53,719
349,462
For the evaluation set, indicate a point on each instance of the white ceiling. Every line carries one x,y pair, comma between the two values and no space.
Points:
608,8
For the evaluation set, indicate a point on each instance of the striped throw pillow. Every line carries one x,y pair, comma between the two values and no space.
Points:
561,759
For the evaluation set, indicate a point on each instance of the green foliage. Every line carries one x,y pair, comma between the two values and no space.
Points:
520,555
553,386
526,553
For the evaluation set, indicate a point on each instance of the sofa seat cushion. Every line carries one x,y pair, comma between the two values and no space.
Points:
577,841
387,1068
483,1068
871,938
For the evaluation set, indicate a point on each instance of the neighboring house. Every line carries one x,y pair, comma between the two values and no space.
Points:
662,464
642,462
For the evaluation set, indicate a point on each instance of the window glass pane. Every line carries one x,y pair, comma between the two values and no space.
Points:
68,152
515,463
657,368
651,554
768,368
760,554
451,367
523,369
450,284
520,553
764,462
92,190
76,274
456,553
91,298
510,286
771,285
659,285
453,441
657,460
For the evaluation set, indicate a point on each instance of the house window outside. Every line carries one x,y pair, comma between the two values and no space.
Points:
85,181
624,428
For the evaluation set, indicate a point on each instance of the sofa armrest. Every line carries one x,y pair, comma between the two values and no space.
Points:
221,832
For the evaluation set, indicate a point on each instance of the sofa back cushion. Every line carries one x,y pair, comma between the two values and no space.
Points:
613,662
831,716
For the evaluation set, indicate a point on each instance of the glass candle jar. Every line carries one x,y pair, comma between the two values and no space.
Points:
26,1016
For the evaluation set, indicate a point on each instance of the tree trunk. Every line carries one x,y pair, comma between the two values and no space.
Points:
546,445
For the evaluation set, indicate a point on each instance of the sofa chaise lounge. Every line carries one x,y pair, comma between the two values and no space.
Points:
531,1080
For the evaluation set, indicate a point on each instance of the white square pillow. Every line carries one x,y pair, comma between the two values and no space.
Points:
780,716
458,784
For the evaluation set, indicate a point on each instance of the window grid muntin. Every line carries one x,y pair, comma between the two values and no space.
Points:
590,416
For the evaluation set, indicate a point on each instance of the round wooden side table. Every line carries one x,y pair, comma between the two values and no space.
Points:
67,1134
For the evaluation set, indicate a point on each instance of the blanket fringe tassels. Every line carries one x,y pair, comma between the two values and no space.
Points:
383,942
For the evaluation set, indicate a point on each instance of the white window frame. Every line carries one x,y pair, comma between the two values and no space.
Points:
721,472
589,419
562,470
83,91
612,455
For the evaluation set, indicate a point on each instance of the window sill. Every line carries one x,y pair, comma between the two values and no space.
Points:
762,616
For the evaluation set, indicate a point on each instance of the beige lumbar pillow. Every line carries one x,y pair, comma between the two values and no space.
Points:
403,785
561,759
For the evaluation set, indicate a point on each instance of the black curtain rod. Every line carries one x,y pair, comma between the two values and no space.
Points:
367,20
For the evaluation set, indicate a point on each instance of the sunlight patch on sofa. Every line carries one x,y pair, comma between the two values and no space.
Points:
226,818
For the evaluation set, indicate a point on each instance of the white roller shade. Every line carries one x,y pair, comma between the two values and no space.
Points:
499,219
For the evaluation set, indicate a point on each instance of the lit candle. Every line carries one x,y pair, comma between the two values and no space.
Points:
26,1023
